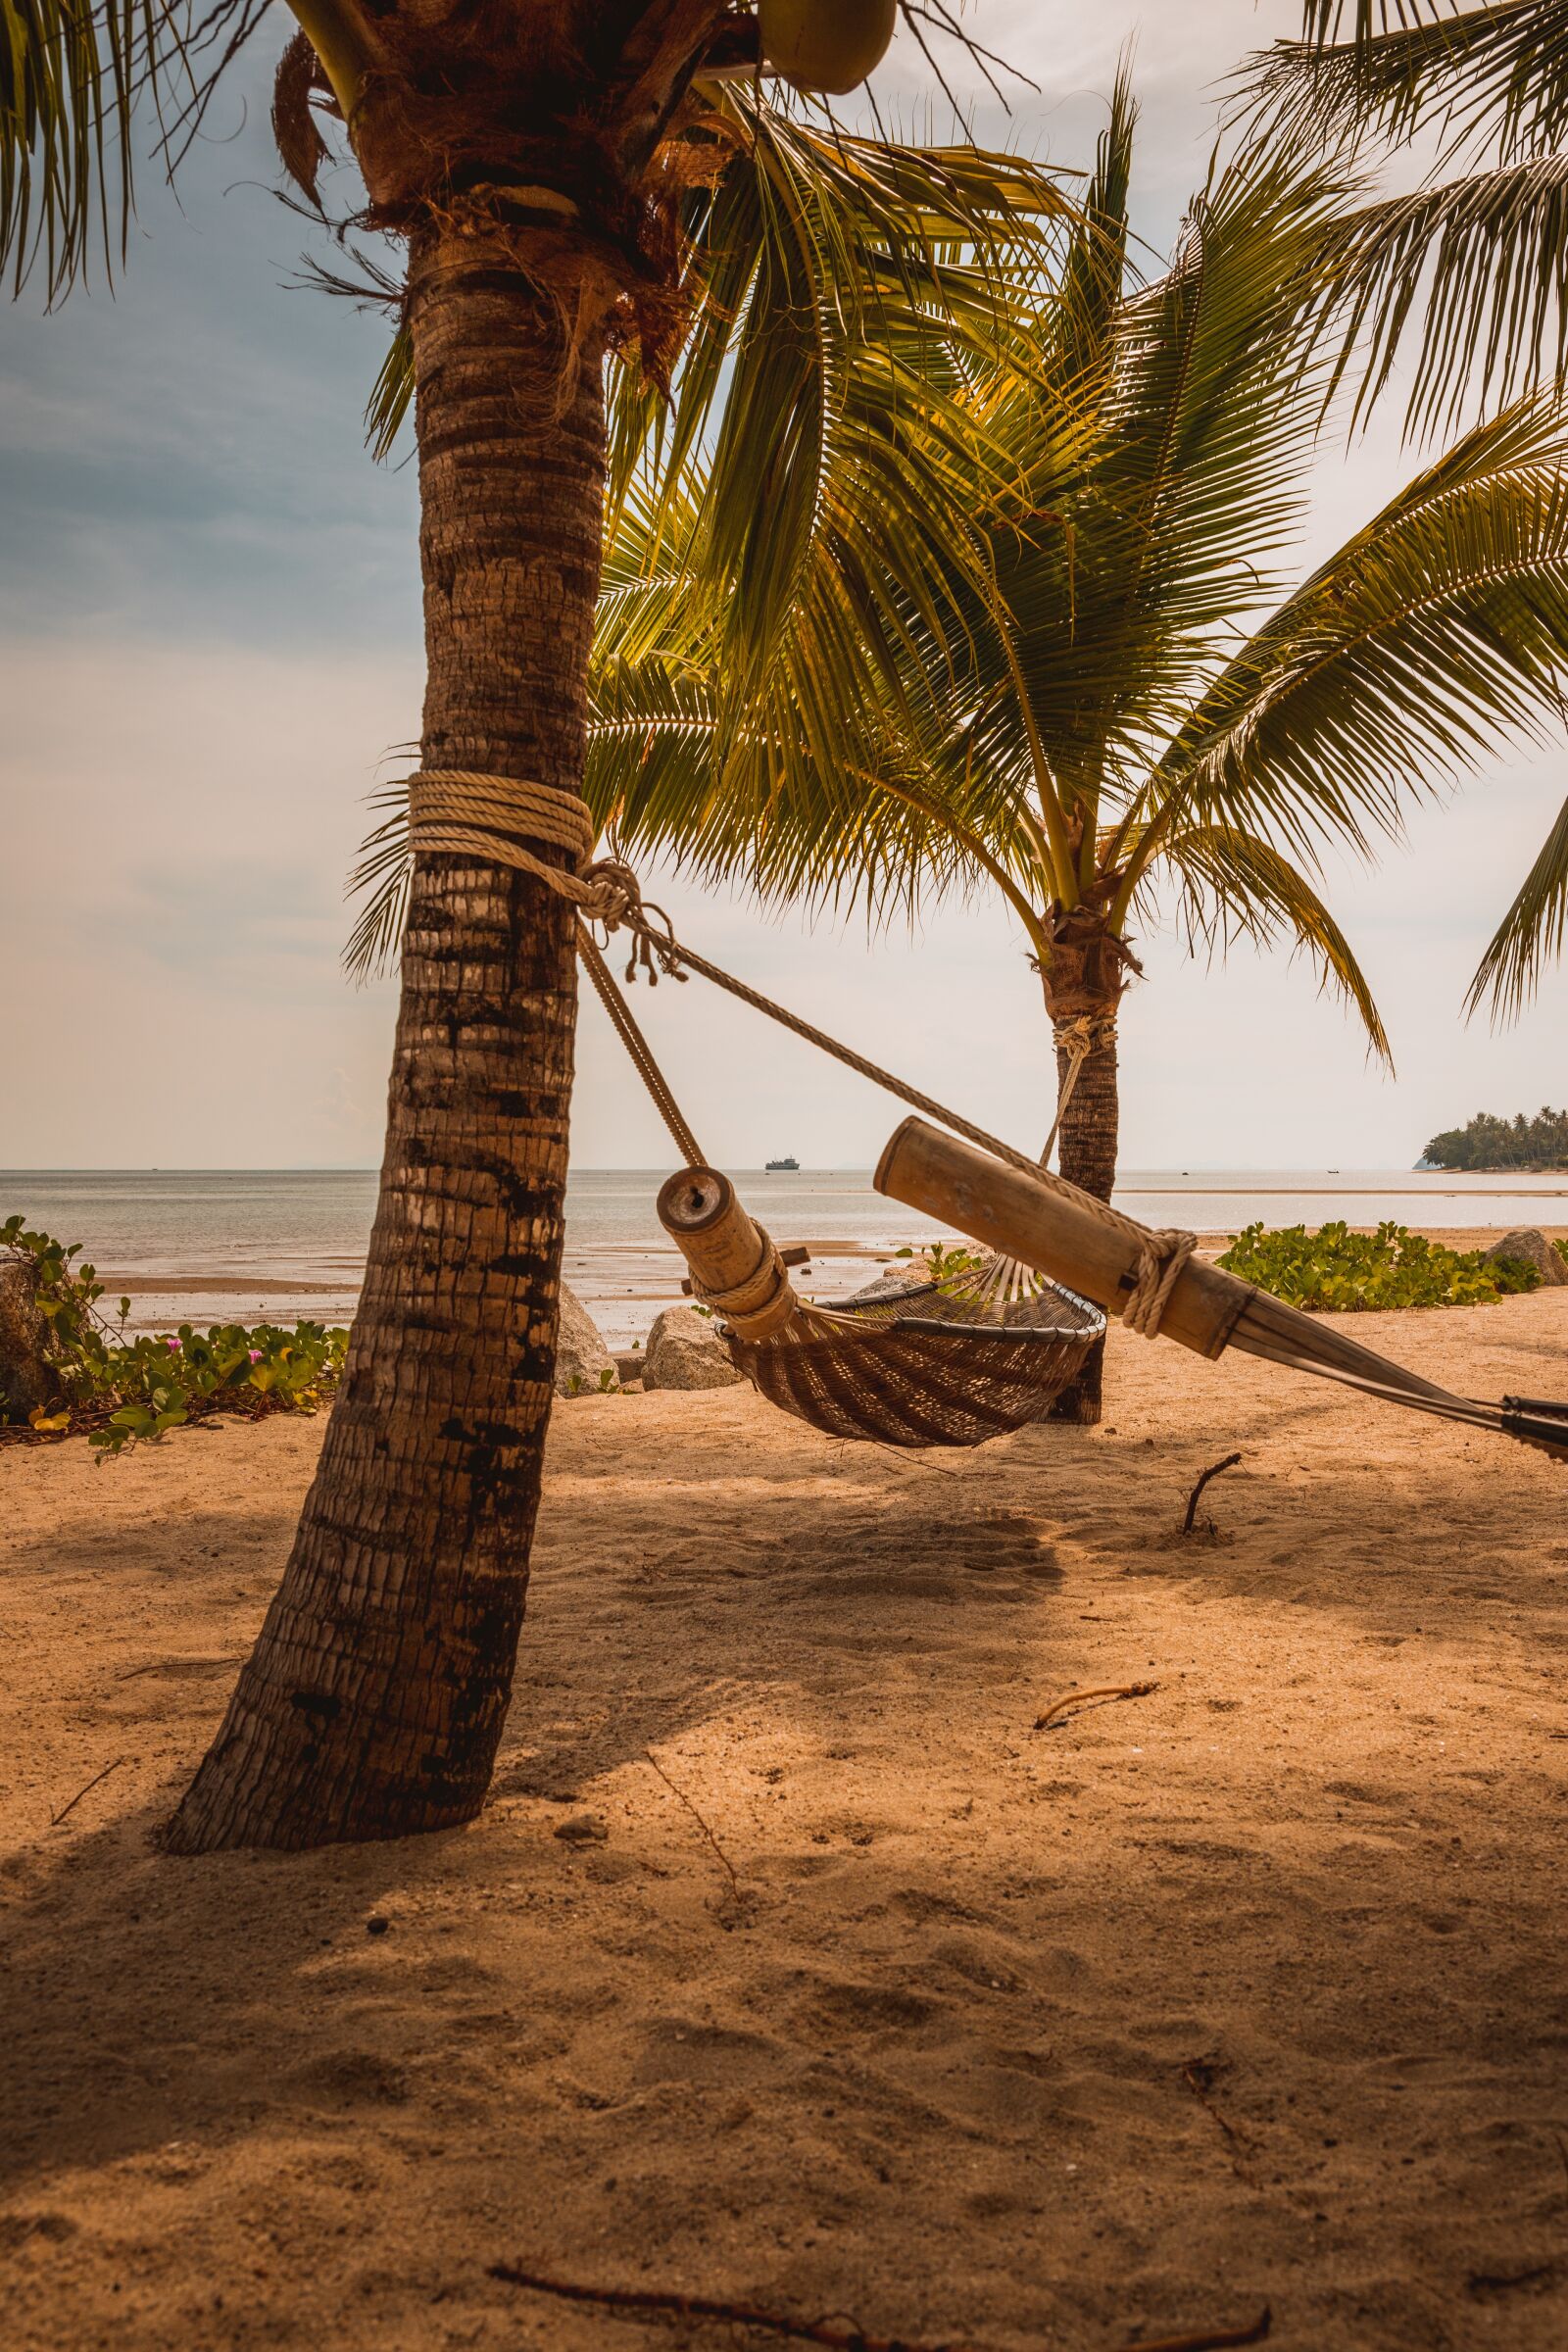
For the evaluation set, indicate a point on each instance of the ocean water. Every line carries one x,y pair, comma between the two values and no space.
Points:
199,1246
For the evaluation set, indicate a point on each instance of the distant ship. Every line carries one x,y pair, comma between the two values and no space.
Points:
781,1167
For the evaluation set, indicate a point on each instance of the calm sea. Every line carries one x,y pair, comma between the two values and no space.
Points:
202,1245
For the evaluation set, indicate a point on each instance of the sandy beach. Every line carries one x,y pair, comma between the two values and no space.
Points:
870,1998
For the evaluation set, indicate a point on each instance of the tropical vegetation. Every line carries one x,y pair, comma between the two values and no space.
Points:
1139,710
122,1391
568,187
1335,1271
1485,1142
1457,292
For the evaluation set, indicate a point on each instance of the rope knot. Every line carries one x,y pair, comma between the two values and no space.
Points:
1160,1261
496,817
617,899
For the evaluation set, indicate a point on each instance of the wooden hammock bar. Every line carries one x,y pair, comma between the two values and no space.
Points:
1207,1310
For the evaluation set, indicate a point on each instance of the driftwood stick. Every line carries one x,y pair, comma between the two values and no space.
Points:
1214,1471
1207,2339
635,2299
675,1791
55,1819
1081,1698
235,1657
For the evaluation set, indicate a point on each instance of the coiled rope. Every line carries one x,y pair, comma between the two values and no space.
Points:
466,813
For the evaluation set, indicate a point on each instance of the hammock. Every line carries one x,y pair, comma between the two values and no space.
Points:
917,1364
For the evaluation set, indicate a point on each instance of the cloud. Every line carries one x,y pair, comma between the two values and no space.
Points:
210,639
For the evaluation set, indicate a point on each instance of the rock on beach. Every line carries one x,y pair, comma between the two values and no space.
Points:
685,1351
1529,1245
581,1357
26,1381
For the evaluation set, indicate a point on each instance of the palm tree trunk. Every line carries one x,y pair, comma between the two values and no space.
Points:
374,1697
1087,1156
1084,978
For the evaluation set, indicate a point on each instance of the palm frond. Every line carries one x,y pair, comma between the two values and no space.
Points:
848,295
1465,281
1126,582
75,77
1496,73
392,393
1531,933
384,869
1436,632
1235,884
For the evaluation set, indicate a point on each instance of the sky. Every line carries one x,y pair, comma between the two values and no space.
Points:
211,652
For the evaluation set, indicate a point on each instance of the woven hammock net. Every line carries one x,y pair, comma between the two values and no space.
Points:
916,1363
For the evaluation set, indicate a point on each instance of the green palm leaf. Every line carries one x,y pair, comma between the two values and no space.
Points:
1497,73
1467,278
75,75
1531,933
1438,630
1174,519
1236,884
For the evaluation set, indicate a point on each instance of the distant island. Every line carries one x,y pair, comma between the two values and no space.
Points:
1490,1142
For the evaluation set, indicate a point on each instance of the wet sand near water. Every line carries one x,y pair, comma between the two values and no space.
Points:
1247,1990
624,1285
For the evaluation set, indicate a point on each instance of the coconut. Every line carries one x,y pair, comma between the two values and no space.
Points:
828,46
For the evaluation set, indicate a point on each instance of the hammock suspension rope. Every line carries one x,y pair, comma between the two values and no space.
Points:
893,1363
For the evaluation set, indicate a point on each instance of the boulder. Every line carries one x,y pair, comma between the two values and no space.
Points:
581,1355
629,1364
685,1351
1531,1247
26,1381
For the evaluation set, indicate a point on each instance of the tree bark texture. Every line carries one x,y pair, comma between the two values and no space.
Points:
375,1695
1085,977
1087,1156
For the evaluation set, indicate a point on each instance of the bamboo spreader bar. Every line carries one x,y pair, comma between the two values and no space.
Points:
734,1266
1065,1237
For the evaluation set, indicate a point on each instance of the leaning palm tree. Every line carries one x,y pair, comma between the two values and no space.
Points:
1136,712
573,184
1458,290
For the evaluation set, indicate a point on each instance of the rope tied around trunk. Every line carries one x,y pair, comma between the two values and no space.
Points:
468,814
1077,1039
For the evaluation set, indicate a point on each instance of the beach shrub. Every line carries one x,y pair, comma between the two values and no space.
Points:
1336,1271
122,1391
936,1262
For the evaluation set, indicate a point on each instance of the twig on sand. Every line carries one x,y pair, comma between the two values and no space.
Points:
1081,1698
735,1884
1207,2339
1214,1471
55,1819
1198,2076
235,1657
850,2339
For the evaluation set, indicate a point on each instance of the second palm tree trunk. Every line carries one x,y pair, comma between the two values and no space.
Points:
376,1692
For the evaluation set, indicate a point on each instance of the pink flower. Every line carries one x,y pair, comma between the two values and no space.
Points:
256,1355
172,1346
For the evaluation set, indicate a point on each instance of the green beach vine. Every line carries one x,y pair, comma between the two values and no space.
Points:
121,1391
